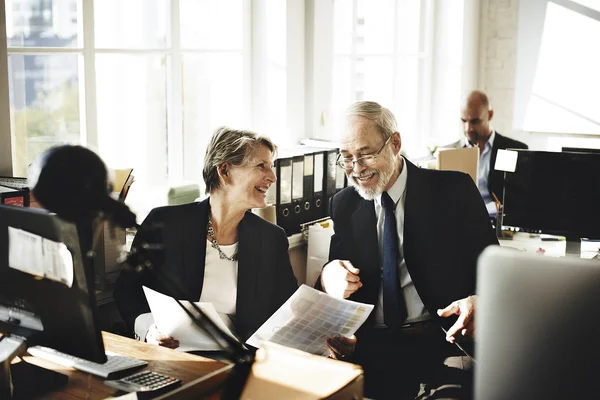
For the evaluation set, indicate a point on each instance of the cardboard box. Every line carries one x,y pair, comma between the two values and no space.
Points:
283,373
108,250
465,159
112,239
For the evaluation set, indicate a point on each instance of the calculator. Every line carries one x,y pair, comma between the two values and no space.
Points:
145,382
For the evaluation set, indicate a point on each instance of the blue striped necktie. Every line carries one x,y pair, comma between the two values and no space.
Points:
394,308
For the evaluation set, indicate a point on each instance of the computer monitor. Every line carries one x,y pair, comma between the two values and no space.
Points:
43,311
537,326
555,193
580,150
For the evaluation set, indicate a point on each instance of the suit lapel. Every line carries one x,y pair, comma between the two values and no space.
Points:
194,237
248,262
415,201
364,226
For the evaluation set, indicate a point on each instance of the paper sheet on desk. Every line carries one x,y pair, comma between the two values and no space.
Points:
171,320
38,256
308,318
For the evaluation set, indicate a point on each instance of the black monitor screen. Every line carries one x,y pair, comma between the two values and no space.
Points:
580,150
555,193
46,311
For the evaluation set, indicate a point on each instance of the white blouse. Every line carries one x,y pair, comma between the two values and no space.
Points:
220,279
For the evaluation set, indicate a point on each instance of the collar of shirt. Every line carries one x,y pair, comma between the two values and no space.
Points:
398,189
490,142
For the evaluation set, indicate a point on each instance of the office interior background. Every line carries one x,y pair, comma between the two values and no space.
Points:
145,82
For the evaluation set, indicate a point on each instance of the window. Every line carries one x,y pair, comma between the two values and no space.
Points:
557,81
381,52
143,82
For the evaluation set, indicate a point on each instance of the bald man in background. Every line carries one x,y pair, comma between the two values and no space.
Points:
476,115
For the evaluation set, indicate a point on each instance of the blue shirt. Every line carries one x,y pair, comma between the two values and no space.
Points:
483,173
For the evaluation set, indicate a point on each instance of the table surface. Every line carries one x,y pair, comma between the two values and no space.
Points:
198,374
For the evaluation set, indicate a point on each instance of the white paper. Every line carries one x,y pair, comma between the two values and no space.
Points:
172,320
35,255
308,318
506,160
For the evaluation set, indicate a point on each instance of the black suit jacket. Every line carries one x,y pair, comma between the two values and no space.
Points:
446,227
265,276
496,178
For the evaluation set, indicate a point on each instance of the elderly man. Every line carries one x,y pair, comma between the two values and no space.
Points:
406,240
476,115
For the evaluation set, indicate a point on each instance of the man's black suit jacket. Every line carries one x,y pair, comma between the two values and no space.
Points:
446,227
496,178
265,277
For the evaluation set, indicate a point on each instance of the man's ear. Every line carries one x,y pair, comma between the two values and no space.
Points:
490,115
396,142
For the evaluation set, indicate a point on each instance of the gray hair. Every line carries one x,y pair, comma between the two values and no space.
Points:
230,146
383,118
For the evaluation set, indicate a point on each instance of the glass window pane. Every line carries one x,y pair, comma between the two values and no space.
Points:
131,24
341,96
211,24
213,95
42,23
44,104
132,114
342,27
563,50
378,76
375,26
408,26
406,104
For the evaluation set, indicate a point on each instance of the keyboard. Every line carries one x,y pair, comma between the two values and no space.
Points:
116,364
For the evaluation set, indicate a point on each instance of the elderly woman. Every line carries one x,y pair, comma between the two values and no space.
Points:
216,250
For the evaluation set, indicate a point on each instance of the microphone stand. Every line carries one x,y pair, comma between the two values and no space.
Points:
237,353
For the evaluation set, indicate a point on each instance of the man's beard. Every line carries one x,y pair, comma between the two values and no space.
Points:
372,192
474,137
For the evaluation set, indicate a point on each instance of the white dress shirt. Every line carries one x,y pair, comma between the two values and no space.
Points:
414,305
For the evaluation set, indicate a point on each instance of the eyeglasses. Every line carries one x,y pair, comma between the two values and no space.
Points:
365,161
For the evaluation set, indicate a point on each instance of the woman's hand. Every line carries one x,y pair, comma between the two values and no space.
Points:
155,337
341,347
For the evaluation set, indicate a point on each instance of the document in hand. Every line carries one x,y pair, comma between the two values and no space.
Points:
172,320
308,318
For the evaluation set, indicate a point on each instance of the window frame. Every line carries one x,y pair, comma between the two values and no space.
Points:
87,51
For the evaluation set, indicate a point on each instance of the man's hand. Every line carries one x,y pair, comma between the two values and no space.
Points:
341,347
155,337
340,279
465,324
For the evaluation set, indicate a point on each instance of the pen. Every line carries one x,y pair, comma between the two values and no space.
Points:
498,204
460,347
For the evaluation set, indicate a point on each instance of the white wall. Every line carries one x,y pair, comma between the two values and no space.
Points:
498,58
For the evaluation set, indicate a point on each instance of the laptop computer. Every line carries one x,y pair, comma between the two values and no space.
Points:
537,326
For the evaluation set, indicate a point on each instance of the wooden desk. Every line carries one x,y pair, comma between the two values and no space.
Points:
533,244
199,375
